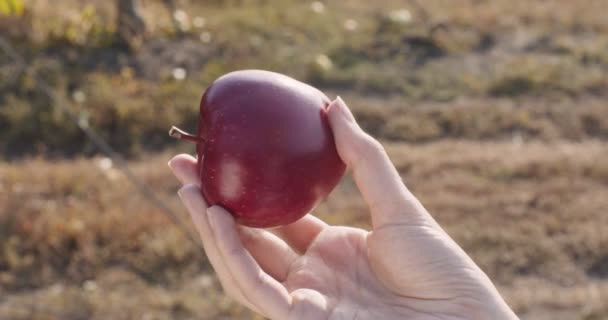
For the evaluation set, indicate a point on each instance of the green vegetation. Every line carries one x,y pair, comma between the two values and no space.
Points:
11,7
381,49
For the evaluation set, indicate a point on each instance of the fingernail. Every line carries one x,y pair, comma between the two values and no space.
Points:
341,104
341,107
330,106
182,191
171,163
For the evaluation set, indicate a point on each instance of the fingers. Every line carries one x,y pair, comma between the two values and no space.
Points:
389,200
271,252
184,168
274,255
264,246
261,289
300,234
194,202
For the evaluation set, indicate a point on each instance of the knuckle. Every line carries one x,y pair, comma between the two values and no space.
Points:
366,146
260,280
234,252
248,236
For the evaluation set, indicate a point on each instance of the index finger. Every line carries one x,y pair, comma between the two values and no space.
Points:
389,200
184,169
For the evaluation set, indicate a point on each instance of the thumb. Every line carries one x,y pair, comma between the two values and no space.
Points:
389,200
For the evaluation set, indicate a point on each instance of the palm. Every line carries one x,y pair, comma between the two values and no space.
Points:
337,268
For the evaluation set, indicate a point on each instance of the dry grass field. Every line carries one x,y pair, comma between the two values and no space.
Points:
494,112
78,238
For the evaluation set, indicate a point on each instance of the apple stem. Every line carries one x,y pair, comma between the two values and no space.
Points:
180,134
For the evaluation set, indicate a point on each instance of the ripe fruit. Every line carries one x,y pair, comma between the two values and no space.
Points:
265,149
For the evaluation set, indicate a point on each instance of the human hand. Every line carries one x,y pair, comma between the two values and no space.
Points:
407,267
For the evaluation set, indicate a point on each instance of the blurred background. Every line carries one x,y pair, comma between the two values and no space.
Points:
494,112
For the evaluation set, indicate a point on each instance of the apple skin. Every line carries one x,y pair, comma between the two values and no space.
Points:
269,155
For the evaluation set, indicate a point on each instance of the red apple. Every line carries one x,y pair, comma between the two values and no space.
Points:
265,150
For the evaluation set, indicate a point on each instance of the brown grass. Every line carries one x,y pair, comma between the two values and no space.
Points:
530,214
